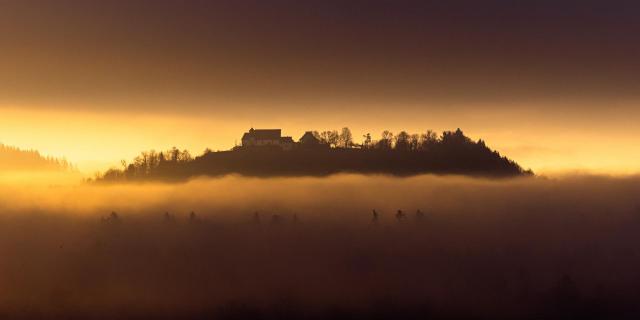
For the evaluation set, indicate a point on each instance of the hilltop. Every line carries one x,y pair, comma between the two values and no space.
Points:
266,153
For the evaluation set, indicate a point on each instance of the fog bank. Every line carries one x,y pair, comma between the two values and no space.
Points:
483,247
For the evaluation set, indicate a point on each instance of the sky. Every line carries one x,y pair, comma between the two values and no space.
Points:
551,84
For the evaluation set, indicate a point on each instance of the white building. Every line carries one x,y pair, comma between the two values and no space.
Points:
266,137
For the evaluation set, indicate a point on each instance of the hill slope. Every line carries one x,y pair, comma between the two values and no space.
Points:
15,159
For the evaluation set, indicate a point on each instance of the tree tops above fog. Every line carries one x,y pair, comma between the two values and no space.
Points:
15,159
451,152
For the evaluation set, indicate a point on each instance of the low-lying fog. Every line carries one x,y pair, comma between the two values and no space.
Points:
482,247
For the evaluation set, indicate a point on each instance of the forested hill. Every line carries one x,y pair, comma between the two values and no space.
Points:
450,153
15,159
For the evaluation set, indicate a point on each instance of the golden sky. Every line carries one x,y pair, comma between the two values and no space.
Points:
553,85
544,142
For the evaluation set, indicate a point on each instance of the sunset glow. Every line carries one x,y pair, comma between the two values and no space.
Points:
320,159
551,143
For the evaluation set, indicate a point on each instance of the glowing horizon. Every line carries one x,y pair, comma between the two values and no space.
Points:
97,141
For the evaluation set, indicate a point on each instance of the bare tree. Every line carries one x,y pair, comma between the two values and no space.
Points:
153,160
386,142
428,140
334,138
324,137
367,141
345,138
329,137
414,142
174,154
184,156
402,141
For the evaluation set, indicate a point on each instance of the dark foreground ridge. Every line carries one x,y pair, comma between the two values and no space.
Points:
264,153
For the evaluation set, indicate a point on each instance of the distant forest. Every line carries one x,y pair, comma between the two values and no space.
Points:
15,159
401,154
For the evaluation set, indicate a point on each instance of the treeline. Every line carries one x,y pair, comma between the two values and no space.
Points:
403,141
13,158
148,162
399,154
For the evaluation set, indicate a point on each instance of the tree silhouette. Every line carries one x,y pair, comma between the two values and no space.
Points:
12,158
345,138
428,140
452,152
366,144
414,142
402,141
386,141
329,137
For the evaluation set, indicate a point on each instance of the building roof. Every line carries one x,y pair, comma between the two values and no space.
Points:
262,134
308,137
286,139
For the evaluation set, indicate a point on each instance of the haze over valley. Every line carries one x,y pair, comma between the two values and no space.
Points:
320,159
